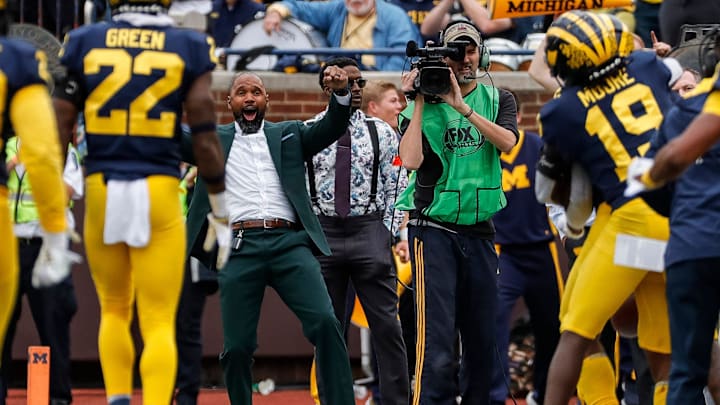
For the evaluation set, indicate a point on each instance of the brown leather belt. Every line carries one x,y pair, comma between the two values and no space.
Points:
271,223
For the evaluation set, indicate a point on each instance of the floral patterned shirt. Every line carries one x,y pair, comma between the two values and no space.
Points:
361,164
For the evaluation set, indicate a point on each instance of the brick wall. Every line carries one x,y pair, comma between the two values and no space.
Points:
297,96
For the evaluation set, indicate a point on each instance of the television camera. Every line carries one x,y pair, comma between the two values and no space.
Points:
434,76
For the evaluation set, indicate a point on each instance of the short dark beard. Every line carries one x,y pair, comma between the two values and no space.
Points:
464,79
250,127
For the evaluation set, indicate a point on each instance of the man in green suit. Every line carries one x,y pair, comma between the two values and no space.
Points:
276,232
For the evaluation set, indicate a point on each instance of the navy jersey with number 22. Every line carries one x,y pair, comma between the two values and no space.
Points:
133,82
603,126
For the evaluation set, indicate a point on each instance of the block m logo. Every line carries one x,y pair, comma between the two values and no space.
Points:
518,178
39,358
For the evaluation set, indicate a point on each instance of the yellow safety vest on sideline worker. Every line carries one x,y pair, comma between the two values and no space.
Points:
20,200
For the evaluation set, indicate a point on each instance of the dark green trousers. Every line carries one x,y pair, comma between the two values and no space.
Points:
283,260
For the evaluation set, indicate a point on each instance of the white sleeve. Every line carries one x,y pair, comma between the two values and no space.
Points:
675,69
544,186
73,174
343,100
580,206
556,213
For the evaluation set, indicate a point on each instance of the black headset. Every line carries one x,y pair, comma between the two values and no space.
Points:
707,57
484,51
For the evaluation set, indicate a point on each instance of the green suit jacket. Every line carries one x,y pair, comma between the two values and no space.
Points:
291,143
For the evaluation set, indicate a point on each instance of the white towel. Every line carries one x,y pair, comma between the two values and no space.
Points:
127,213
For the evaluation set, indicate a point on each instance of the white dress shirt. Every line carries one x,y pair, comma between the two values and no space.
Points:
252,184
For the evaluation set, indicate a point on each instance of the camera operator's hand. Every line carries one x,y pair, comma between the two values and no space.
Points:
336,79
454,97
408,80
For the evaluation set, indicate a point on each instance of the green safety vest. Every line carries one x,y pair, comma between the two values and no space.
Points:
21,202
183,197
469,189
22,205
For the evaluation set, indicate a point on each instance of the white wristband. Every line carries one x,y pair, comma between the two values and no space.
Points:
404,234
57,240
218,205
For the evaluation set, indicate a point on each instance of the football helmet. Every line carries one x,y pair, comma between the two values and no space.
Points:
139,6
584,46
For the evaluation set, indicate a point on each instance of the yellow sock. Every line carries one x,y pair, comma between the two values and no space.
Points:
596,385
660,394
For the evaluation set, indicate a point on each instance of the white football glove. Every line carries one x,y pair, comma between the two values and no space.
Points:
54,261
218,231
637,168
562,226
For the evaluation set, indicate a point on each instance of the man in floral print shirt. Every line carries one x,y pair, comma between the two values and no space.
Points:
353,185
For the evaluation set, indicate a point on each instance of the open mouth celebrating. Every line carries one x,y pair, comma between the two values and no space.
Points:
250,119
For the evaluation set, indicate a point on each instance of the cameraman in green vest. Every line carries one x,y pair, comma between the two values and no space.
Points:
454,146
52,308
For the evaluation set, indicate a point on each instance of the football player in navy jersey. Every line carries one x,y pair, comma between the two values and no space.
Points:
610,106
26,111
686,151
132,78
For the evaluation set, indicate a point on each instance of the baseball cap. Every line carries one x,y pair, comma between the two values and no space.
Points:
460,30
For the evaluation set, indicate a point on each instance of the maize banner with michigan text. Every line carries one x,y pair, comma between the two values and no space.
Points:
527,8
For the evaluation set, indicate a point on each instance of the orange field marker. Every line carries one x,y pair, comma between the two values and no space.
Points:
38,375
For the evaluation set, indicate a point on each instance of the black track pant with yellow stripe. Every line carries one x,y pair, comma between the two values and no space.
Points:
456,290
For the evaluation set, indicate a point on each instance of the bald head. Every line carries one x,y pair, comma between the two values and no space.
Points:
248,99
253,77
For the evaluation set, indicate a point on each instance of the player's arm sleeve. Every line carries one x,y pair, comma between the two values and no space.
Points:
551,169
544,186
69,88
556,213
41,153
581,201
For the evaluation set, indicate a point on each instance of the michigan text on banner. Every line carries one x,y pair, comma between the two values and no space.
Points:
526,8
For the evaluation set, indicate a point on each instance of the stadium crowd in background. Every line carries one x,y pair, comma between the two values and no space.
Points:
366,25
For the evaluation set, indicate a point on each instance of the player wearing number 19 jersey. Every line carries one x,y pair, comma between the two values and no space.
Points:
132,78
610,107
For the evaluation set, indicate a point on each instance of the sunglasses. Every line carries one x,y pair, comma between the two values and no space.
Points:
360,82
